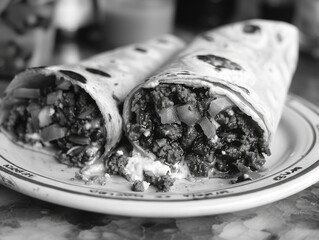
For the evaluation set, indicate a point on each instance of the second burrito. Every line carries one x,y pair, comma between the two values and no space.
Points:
72,111
217,106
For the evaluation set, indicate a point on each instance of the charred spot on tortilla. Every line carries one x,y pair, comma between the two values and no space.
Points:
74,75
140,49
184,73
219,62
208,38
251,28
279,37
115,84
162,40
98,72
38,67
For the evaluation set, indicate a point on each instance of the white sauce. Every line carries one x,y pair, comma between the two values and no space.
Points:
33,136
146,185
135,168
137,164
94,169
180,170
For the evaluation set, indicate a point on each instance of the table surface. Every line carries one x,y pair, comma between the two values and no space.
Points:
296,217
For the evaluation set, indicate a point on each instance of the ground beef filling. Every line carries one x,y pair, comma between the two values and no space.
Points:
177,122
64,116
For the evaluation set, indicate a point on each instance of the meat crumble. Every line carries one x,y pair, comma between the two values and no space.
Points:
208,131
64,116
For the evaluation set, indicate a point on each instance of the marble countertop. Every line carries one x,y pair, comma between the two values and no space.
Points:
22,217
296,217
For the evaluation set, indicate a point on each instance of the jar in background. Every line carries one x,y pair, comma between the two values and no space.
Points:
204,14
127,21
27,35
282,10
307,20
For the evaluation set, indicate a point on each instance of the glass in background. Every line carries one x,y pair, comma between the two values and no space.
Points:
127,21
77,34
72,15
307,20
27,34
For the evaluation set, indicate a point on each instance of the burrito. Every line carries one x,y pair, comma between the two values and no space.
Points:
216,107
73,111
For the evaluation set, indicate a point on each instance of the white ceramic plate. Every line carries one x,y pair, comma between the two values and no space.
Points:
293,166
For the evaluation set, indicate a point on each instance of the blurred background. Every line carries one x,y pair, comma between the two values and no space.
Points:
44,32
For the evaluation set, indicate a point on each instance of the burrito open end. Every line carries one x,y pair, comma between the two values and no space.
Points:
216,108
72,111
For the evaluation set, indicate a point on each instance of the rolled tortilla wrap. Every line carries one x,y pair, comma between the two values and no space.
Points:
74,108
218,104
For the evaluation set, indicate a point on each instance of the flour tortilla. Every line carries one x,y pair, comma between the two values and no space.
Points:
107,78
251,62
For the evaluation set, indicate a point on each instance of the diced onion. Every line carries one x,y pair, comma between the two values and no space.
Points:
34,110
45,116
86,111
52,132
217,125
147,133
87,125
54,96
96,123
168,115
81,140
188,114
218,105
208,127
161,142
74,151
30,93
